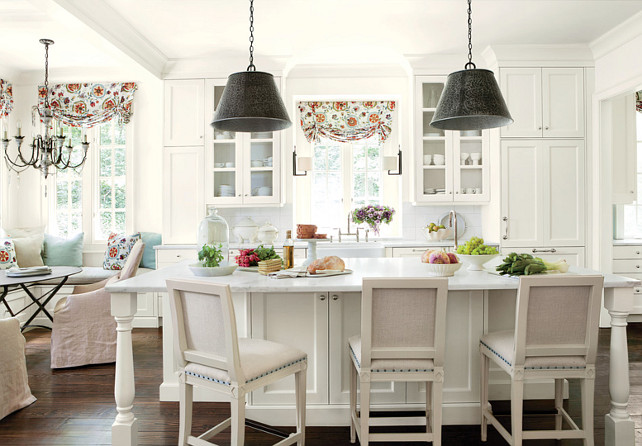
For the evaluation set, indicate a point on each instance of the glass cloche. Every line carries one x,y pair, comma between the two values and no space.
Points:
214,230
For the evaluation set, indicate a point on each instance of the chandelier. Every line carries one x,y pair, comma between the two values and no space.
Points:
48,150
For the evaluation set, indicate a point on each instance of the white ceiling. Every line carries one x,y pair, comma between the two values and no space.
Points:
195,29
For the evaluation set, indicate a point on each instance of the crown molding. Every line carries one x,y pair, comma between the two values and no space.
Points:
618,36
577,55
116,31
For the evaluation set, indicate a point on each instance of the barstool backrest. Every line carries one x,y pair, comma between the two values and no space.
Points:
403,319
558,316
203,317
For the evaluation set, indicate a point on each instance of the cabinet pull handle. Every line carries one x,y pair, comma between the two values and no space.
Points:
418,250
544,250
322,297
505,237
637,252
335,297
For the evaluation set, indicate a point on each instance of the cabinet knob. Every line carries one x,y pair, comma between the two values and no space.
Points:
246,195
546,128
456,191
637,266
632,192
539,128
335,297
637,252
322,297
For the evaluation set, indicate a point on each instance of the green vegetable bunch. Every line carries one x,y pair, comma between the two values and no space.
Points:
526,265
264,253
475,246
211,255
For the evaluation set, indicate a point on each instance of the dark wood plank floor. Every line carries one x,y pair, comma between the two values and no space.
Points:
76,406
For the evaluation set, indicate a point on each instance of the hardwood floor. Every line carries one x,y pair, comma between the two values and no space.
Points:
76,406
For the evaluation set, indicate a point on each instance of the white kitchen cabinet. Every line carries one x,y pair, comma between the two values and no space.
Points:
184,107
183,204
542,191
544,102
455,179
574,256
240,168
627,261
620,116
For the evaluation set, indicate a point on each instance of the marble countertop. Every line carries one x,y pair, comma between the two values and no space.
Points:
242,281
628,242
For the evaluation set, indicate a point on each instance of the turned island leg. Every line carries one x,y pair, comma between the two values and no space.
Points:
619,427
124,431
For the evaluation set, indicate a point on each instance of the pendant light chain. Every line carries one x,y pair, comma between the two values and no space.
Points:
46,75
470,63
251,66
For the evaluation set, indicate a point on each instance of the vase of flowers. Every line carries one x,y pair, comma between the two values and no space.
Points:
373,216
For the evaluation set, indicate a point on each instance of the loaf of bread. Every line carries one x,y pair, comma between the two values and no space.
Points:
327,263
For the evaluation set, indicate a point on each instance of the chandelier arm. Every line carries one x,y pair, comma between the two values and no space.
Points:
81,162
12,166
34,154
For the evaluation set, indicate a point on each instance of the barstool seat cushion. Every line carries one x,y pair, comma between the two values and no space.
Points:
389,365
501,345
258,358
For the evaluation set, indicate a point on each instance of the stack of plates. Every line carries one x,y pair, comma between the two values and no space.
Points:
225,190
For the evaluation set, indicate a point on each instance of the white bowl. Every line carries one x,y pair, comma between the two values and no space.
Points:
438,235
442,269
206,271
475,262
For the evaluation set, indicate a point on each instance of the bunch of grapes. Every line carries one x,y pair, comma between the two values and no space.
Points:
247,258
475,246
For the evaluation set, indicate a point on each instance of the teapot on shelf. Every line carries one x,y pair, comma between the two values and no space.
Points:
246,230
267,234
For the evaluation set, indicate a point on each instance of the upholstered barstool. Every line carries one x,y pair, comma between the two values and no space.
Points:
555,337
403,330
211,355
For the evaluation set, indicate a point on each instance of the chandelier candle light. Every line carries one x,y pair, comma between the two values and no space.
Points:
47,150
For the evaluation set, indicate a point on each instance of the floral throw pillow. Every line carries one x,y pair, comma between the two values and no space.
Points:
7,254
118,248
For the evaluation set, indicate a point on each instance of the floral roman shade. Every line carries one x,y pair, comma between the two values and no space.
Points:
90,104
346,121
638,101
6,98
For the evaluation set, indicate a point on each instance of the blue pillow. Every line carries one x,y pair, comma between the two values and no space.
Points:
59,251
150,239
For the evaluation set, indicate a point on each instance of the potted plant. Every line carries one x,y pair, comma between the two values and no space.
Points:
211,262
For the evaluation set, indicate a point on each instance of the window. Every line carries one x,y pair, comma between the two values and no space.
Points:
631,214
92,198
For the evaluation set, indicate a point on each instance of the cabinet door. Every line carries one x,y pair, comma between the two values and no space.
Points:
184,121
261,168
471,156
183,204
522,193
522,89
620,134
563,204
574,256
563,102
345,318
299,320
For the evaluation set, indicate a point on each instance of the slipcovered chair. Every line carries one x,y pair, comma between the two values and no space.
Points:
403,335
211,355
555,337
84,331
14,386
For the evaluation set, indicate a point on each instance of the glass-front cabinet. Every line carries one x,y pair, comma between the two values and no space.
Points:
451,165
241,168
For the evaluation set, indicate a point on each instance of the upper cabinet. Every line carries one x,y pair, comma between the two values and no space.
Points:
450,165
184,117
240,168
544,102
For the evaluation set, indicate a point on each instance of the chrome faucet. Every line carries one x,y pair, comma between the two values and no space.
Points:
452,221
356,233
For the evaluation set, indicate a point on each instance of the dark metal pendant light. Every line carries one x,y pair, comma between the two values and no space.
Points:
471,99
250,101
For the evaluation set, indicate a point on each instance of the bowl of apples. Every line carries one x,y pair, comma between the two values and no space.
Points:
475,253
434,232
440,263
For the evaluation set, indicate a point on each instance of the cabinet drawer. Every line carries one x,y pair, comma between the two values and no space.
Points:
627,266
169,256
415,251
637,276
627,252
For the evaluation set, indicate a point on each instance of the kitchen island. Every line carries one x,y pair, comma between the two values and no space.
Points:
318,315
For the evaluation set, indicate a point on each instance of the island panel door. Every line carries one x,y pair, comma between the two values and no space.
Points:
345,322
299,320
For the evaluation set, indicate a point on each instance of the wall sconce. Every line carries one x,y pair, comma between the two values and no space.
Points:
390,163
304,164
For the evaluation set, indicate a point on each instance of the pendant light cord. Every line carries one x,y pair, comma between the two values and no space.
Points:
470,63
251,66
46,75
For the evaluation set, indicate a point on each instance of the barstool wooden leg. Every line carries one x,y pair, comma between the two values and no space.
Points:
237,404
428,406
185,410
365,412
516,410
353,402
300,389
587,389
437,395
559,402
483,403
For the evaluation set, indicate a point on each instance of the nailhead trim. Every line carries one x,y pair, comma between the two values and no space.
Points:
208,378
385,370
555,367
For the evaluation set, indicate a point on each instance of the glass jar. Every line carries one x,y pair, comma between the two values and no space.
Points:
214,230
